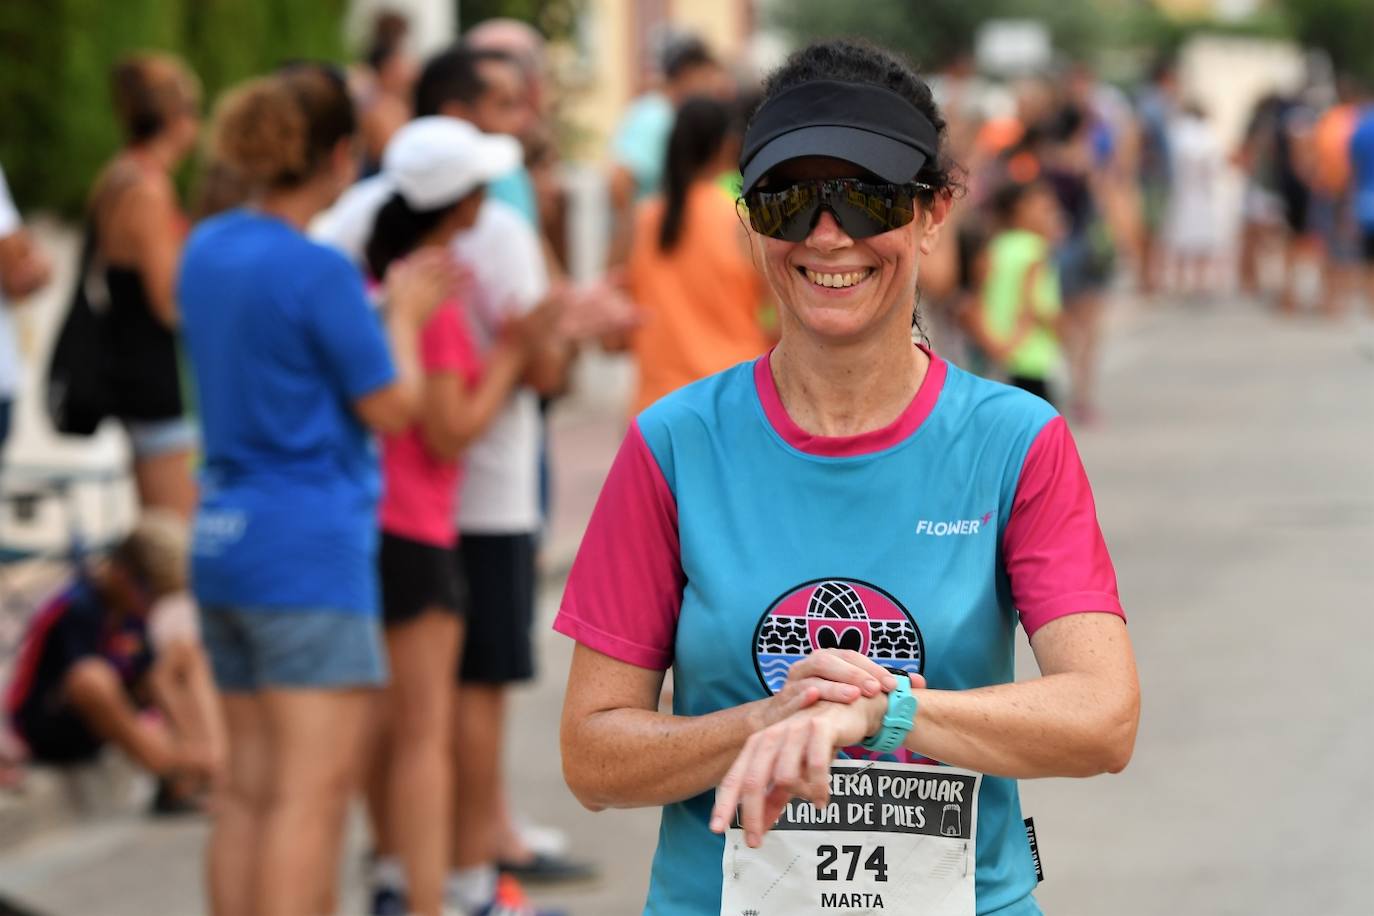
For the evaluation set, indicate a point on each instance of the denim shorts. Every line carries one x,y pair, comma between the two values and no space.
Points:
254,649
151,438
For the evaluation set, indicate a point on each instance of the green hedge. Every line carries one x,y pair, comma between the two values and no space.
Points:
56,125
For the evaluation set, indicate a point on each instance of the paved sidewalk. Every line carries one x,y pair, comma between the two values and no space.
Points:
1235,486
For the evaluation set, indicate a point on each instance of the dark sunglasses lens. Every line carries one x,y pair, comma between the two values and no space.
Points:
866,210
787,214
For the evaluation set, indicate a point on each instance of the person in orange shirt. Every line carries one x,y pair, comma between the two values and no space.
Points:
1332,210
689,268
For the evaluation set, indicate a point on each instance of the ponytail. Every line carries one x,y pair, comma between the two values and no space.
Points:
698,133
397,231
277,131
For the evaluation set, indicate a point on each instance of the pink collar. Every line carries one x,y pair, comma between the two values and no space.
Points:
867,443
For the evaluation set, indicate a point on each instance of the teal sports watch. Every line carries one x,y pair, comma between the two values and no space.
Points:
898,720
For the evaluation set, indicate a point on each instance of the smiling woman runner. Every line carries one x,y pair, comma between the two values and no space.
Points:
790,532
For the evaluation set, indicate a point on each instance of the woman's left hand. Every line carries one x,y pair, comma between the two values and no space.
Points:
791,759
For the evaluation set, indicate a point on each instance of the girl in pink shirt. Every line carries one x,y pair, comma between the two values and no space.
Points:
439,167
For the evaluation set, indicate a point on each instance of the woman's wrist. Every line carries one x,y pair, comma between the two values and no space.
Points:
874,708
762,713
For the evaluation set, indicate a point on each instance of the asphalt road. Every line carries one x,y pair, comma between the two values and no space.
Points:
1235,484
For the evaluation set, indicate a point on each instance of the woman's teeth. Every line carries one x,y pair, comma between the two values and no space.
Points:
837,281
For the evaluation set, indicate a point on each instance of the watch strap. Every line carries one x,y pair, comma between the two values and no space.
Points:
897,720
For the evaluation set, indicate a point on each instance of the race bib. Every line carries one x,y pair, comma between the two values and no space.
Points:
895,838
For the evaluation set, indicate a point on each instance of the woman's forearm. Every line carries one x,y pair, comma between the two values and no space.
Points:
500,377
1068,724
619,751
627,758
403,334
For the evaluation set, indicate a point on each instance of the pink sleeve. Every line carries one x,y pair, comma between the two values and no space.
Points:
445,345
1056,558
625,588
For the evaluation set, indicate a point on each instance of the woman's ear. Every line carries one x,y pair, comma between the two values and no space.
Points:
932,220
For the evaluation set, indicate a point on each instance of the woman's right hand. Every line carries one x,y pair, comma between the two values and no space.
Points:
534,329
416,285
836,675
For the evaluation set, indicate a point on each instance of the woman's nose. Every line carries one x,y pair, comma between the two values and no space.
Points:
827,235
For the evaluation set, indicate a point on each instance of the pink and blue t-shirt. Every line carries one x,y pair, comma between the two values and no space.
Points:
728,543
419,488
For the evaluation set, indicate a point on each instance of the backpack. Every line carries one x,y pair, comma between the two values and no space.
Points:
77,395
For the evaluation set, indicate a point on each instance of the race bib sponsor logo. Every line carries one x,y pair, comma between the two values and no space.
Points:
940,528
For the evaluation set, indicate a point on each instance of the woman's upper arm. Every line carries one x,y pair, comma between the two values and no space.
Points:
1090,643
1097,646
624,591
441,402
352,345
599,683
153,221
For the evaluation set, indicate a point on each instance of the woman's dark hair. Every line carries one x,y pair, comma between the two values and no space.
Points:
1066,123
277,131
454,75
686,52
700,129
397,230
858,61
148,90
389,30
1007,198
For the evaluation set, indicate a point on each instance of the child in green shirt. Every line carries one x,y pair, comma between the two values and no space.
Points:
1020,301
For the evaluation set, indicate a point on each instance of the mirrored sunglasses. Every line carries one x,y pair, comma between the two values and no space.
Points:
862,208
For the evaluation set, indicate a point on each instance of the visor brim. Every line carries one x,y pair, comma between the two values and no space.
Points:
889,159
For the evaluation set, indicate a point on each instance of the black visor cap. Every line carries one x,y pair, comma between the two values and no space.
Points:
872,127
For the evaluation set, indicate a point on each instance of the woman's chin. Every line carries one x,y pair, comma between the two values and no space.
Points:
837,319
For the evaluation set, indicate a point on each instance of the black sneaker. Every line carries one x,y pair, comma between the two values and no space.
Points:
388,901
542,868
170,803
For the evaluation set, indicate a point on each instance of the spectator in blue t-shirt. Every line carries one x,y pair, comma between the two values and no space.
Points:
293,370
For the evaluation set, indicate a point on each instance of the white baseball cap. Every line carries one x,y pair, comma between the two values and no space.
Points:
437,160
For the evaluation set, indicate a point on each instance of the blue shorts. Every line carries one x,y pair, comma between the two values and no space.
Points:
1333,219
1085,267
264,648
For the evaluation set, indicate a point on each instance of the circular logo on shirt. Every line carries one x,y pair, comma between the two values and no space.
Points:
835,614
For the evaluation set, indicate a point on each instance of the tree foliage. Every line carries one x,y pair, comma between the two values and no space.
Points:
934,32
556,19
57,54
1343,28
